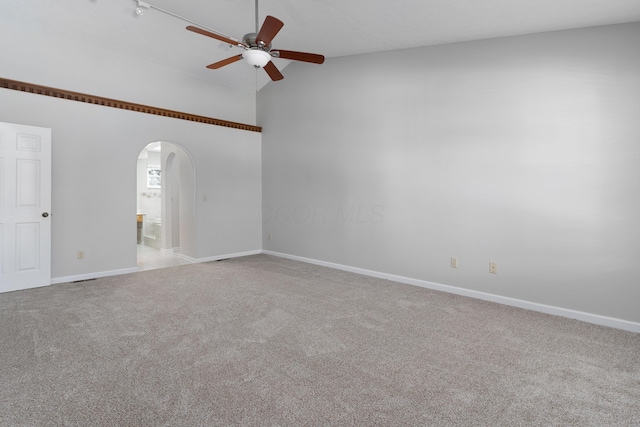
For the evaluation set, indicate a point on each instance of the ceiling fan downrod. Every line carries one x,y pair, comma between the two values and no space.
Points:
257,23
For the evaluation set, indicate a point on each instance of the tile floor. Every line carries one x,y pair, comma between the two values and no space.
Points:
150,259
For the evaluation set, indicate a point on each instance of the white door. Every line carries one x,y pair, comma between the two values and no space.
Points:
25,207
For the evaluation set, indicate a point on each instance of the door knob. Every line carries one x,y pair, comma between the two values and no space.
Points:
45,214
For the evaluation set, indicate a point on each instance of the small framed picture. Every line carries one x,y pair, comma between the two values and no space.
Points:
154,175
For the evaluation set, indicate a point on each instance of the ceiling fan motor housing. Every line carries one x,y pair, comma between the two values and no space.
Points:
250,40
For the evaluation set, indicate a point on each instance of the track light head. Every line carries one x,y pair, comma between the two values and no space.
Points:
141,7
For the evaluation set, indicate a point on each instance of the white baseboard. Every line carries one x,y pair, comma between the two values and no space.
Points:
542,308
169,251
219,257
89,276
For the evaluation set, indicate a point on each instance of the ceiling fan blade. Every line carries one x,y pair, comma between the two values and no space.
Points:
273,72
215,36
299,56
269,29
224,62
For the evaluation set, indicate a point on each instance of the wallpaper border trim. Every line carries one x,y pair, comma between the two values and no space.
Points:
123,105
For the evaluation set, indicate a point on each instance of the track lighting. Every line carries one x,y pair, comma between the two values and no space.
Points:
141,7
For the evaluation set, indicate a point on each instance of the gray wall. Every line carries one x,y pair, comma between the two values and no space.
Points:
95,151
79,67
522,151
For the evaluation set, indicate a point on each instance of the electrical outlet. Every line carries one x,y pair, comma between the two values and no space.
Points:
269,236
493,267
454,262
80,254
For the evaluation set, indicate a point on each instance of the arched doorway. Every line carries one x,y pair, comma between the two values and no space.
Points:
165,204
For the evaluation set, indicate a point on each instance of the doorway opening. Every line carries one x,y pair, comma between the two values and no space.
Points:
165,189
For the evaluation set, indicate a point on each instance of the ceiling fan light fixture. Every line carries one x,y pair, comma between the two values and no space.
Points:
256,57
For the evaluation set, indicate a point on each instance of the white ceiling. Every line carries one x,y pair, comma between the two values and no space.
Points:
330,27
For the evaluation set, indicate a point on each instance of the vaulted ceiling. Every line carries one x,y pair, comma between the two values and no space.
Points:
330,27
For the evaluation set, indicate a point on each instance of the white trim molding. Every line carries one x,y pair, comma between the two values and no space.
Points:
219,257
597,319
98,275
89,276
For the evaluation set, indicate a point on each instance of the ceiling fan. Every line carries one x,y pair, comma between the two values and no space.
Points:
257,48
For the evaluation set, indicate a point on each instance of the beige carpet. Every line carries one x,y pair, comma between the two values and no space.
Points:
267,341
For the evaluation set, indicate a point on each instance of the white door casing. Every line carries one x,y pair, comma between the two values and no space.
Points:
25,207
